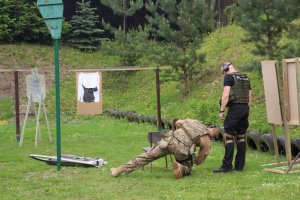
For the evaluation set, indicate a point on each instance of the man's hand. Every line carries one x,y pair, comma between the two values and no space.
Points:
222,116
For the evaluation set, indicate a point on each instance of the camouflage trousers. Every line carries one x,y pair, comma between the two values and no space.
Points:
174,147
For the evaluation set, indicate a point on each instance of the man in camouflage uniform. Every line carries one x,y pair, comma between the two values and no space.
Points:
181,143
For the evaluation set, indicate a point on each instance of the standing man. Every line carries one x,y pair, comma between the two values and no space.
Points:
237,97
181,143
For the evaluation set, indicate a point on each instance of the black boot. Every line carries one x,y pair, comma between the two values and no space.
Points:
227,160
241,154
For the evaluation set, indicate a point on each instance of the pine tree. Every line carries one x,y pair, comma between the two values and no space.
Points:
291,47
182,24
85,35
265,21
20,21
124,8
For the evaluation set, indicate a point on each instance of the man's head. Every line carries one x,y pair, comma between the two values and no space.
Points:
213,132
225,67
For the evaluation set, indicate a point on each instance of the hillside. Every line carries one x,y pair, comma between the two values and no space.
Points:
135,91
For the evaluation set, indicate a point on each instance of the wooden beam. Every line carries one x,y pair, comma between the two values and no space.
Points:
277,171
271,164
117,68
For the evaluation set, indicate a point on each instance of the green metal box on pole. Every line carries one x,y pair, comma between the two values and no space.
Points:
52,13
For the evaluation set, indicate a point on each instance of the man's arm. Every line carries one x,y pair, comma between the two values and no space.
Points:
225,99
204,142
250,98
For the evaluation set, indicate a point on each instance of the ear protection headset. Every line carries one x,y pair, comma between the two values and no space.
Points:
225,66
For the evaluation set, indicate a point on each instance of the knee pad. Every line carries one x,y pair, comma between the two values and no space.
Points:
240,138
228,138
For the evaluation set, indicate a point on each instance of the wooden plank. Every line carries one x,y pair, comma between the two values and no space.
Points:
298,85
296,166
283,169
286,114
270,164
272,92
291,81
277,171
275,143
297,171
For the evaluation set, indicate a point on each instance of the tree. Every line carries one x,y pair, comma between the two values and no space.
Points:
291,46
124,8
182,25
20,20
85,35
265,21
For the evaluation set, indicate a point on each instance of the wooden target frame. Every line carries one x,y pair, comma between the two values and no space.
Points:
281,110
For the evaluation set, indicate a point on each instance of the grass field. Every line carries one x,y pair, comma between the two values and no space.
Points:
117,141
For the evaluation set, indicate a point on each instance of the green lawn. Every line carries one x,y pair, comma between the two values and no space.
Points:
22,177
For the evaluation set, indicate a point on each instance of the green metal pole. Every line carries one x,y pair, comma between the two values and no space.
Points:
57,93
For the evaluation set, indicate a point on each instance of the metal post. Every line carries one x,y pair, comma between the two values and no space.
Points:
158,99
17,103
57,93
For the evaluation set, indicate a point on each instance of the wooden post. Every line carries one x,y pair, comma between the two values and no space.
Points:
25,121
275,143
298,86
286,113
158,100
17,104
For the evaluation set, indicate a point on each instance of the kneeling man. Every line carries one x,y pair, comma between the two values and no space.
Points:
181,143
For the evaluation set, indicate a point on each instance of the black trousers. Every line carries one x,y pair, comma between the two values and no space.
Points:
236,124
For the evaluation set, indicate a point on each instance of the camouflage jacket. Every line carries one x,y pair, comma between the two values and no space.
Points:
187,132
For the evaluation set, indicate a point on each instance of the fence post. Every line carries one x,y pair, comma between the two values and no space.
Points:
17,104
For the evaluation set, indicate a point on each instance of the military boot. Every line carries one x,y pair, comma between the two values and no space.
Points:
228,157
181,170
241,153
178,170
116,171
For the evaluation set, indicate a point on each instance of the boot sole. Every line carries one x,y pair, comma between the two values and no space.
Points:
223,171
177,171
114,172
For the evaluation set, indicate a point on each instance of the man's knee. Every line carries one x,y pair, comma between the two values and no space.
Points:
240,139
228,138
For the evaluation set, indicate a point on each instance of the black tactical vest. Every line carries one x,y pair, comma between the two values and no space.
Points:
239,92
